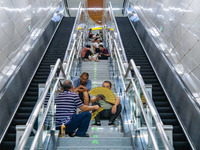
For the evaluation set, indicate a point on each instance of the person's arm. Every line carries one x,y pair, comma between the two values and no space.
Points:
89,85
89,108
95,99
97,56
80,88
117,102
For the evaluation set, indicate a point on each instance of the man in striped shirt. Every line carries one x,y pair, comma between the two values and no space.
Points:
67,103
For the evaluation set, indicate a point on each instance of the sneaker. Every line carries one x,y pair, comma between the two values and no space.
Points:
111,124
97,123
71,134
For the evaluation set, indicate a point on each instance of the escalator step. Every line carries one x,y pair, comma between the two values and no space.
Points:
162,104
177,129
167,115
160,98
10,137
12,129
181,145
179,137
28,104
31,98
19,121
164,109
170,121
158,93
25,109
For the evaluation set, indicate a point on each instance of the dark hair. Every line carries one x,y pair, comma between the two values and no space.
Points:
88,46
108,82
100,45
67,85
85,74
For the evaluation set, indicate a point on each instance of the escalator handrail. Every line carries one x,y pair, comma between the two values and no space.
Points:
35,112
153,138
73,31
115,23
153,110
38,133
151,106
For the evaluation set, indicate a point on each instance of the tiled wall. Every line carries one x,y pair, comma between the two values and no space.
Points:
20,24
175,26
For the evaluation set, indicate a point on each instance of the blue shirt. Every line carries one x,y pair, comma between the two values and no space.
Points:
88,85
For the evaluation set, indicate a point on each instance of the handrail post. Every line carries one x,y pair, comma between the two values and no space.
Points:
34,114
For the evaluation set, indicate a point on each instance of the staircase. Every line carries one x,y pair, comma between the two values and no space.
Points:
56,50
135,51
102,137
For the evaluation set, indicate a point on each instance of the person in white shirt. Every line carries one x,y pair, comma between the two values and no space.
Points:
96,45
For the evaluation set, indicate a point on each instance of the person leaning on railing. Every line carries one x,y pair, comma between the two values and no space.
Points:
67,103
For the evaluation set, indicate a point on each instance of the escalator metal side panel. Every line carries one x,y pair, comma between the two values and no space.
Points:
179,95
14,90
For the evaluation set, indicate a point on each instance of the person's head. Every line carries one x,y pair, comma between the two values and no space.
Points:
67,85
88,46
107,84
90,30
98,40
101,47
84,78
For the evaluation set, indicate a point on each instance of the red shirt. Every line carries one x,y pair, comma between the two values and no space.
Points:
85,49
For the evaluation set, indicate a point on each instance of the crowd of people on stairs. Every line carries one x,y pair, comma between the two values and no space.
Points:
74,94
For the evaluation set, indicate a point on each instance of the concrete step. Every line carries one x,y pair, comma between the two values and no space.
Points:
96,148
84,141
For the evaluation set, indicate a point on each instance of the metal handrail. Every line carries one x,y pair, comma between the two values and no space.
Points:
34,143
73,30
153,138
120,59
35,112
151,106
115,23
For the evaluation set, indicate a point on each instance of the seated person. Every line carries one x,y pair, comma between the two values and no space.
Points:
111,111
67,103
82,86
96,46
103,53
90,34
86,52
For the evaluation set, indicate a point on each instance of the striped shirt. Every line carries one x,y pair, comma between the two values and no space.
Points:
66,106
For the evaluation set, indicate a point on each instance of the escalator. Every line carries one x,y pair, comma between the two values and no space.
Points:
56,50
135,51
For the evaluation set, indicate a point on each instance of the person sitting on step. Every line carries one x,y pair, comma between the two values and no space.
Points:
67,103
82,86
111,111
103,55
96,46
90,35
86,52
